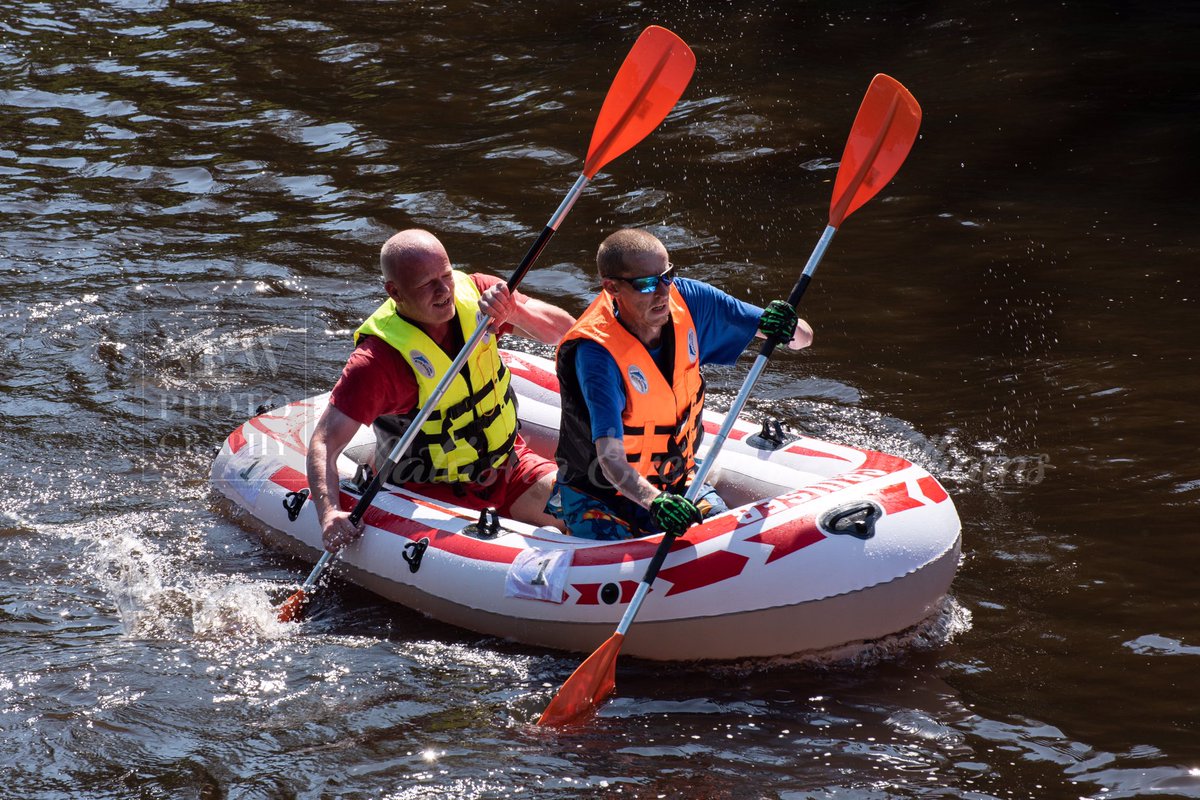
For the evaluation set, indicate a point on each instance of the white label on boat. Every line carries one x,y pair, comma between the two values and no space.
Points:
247,471
539,575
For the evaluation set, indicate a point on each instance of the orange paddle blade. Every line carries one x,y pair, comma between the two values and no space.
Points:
646,88
883,133
291,608
587,687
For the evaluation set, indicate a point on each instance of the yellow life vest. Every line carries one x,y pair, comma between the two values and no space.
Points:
474,424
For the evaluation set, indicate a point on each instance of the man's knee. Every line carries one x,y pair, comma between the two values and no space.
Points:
710,503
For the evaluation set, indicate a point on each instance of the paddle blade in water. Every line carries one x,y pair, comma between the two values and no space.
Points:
883,133
646,88
291,608
587,687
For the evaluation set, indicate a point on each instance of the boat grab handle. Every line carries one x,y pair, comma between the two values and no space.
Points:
856,519
773,436
293,502
488,526
414,552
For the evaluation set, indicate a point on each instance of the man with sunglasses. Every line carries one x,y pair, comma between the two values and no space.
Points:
632,392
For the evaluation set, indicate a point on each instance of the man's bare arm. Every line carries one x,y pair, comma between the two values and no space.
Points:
532,318
610,451
333,432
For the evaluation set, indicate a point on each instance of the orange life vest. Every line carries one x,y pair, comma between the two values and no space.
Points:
661,419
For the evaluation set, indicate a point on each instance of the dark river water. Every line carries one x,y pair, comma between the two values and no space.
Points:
192,197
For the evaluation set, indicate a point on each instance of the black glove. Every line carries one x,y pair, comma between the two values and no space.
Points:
674,513
778,319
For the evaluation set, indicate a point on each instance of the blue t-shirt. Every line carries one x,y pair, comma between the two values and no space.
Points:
724,326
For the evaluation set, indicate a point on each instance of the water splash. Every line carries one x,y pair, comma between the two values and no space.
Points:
148,609
157,599
237,611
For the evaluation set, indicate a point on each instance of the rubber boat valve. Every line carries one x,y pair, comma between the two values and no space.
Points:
293,502
856,519
488,526
773,436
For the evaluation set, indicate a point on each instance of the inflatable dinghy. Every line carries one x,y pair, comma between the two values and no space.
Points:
823,545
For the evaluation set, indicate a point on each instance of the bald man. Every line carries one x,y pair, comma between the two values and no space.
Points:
469,452
633,394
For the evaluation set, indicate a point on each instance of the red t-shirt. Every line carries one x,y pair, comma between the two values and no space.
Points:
377,380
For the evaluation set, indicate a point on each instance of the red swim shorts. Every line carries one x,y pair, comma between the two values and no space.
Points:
497,488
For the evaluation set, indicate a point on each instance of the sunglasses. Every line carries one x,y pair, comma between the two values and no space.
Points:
649,283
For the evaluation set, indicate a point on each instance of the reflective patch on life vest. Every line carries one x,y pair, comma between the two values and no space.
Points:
693,349
638,379
421,362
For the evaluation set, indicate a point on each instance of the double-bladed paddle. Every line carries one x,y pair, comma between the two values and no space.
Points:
645,89
883,132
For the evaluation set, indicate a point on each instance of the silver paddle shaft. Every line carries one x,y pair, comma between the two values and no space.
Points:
402,445
730,418
760,364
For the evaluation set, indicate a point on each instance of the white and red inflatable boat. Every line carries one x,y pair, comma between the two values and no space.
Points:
823,544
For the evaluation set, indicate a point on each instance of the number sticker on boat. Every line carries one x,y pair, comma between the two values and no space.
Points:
539,575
